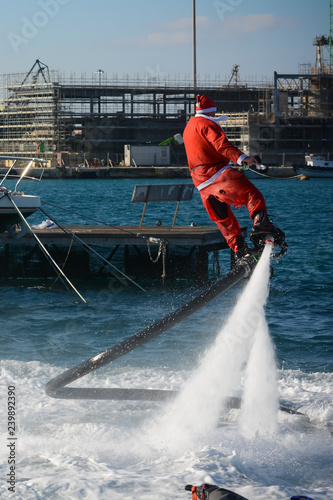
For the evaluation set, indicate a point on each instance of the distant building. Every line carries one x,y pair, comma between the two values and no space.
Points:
89,119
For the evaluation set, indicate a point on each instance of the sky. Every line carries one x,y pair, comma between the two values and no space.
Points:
154,37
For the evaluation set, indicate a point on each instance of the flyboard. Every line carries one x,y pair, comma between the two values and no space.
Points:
58,386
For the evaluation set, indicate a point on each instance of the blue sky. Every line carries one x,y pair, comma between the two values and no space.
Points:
137,37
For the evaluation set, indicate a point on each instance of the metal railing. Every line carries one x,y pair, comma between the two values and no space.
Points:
25,171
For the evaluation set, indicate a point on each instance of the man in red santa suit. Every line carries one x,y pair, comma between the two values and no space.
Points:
209,153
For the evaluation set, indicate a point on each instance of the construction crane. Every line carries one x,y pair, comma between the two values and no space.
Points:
40,71
325,41
234,75
320,42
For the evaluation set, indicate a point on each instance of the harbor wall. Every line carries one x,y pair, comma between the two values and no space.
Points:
136,172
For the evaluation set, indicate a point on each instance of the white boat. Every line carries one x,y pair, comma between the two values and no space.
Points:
13,202
315,166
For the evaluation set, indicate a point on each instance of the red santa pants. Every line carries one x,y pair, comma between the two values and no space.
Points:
231,188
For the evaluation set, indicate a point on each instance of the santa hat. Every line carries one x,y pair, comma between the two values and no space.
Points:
205,104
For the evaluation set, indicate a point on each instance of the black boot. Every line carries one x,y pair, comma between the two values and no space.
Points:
264,228
242,248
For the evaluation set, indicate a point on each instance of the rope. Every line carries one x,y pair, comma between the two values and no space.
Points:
216,262
154,261
64,264
163,275
272,177
161,251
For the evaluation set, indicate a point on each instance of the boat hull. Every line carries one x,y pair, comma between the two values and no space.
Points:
314,171
8,214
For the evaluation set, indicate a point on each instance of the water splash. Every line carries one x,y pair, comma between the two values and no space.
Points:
242,355
260,397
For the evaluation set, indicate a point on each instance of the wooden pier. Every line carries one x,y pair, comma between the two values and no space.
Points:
174,252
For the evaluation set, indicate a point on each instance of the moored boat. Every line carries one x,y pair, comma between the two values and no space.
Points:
11,202
9,216
315,166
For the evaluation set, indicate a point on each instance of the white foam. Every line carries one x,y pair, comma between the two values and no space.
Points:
99,449
125,449
196,411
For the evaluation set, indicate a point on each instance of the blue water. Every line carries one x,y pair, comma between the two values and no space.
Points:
80,449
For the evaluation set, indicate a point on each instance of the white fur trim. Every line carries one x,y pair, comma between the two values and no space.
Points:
221,118
207,110
208,182
215,119
241,158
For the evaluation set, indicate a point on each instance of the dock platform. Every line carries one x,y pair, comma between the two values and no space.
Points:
179,252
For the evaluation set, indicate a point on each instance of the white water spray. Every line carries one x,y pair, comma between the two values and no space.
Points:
260,397
242,354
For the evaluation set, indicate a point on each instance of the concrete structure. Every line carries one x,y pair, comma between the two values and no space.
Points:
92,120
146,155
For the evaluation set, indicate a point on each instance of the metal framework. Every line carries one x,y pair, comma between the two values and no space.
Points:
88,115
95,117
303,95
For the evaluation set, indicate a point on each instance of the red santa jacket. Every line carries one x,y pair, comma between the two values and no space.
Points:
207,146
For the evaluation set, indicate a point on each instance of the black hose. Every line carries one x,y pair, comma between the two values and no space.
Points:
56,387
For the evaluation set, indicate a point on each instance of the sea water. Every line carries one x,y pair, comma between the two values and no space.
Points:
281,354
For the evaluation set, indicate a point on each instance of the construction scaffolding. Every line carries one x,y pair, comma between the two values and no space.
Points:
96,117
27,117
83,116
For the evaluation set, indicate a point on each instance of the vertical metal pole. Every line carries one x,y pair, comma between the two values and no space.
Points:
331,34
144,208
194,42
8,172
178,202
276,110
143,214
174,217
276,100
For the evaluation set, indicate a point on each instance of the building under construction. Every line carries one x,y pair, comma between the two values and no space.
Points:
80,119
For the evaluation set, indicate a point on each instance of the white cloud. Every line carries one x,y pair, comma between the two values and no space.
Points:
176,38
182,23
175,32
179,31
253,23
